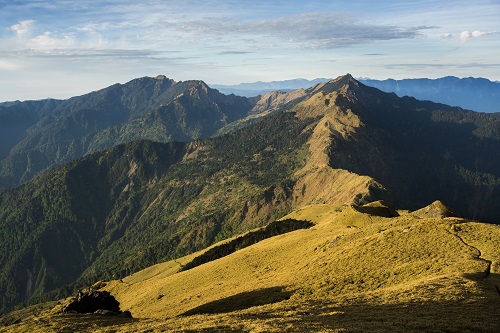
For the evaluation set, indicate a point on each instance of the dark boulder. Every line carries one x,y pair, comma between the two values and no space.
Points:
90,300
126,314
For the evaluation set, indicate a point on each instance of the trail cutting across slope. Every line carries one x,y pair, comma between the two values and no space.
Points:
478,236
454,229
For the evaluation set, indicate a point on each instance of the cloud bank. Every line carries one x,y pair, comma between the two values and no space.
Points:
100,42
312,30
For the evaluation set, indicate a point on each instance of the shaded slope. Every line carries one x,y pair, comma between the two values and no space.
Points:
56,226
42,134
420,151
138,204
17,118
254,236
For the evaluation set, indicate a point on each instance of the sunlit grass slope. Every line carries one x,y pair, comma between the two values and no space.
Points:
358,269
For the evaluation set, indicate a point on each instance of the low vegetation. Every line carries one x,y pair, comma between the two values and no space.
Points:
351,271
247,239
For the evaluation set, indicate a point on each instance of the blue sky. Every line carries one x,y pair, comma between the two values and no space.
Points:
62,48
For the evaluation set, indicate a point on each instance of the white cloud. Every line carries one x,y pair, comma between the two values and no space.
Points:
90,53
466,35
46,40
202,39
23,27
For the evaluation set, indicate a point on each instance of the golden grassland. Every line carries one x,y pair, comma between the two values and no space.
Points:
355,270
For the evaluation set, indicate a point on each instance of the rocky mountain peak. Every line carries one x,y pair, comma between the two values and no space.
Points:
203,86
198,90
342,84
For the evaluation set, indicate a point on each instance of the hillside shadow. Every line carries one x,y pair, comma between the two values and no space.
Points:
241,301
376,211
422,151
250,238
471,313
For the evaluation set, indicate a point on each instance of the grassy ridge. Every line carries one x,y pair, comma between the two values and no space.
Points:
351,271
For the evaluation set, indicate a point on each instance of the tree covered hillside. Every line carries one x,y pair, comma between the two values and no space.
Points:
38,135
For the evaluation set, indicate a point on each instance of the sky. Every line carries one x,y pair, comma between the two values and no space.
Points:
63,48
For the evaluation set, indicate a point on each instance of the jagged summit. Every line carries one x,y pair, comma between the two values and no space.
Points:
345,79
333,85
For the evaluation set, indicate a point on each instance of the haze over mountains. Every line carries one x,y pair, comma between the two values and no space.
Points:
116,211
476,94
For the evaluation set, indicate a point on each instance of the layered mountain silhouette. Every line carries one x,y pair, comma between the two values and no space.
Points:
476,94
260,87
117,211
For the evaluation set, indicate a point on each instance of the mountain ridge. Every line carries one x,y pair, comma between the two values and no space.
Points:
355,268
158,109
478,94
141,203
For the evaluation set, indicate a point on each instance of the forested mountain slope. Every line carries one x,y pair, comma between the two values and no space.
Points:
37,135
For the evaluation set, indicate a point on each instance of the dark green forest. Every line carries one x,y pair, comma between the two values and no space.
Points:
115,212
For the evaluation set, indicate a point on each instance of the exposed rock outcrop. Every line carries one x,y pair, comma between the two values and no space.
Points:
91,300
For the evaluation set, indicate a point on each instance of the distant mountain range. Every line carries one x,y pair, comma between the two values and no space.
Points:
259,88
244,162
476,94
